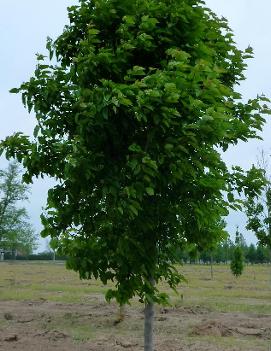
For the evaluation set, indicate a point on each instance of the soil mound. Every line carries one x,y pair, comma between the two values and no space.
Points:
213,328
216,328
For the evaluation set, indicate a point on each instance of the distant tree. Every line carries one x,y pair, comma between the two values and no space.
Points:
259,211
251,254
242,241
211,248
130,121
205,256
237,262
223,252
16,233
261,256
50,249
182,254
193,253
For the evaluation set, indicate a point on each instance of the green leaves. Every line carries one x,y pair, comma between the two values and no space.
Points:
237,262
137,71
14,91
148,24
129,121
150,191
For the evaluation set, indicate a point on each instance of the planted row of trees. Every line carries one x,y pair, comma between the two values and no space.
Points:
224,252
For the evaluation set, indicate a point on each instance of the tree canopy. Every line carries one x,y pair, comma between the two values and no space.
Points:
131,121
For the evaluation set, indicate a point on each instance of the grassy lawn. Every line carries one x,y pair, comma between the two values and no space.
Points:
249,293
51,281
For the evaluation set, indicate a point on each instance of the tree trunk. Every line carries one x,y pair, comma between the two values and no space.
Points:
148,327
122,312
212,272
120,315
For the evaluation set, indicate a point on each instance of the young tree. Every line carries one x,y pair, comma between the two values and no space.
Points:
15,231
130,121
213,243
237,262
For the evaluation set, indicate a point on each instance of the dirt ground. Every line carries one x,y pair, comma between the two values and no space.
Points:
38,326
44,307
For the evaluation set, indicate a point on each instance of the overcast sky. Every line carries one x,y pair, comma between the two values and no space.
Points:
24,26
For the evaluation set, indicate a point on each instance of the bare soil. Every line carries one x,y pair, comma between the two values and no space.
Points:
49,326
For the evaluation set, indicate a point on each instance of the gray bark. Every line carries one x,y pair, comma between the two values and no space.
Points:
148,327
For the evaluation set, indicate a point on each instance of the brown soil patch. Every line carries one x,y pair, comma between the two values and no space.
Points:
217,328
212,328
47,326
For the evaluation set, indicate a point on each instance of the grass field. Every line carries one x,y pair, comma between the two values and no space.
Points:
44,305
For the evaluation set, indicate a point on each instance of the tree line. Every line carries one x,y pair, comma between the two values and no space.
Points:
223,253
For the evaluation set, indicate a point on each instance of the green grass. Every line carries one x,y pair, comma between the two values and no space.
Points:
249,293
34,281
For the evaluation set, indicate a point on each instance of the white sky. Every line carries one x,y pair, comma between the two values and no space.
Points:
24,26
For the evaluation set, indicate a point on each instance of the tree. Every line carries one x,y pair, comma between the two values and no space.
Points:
262,254
223,252
130,121
237,262
251,254
212,244
19,234
15,231
259,211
